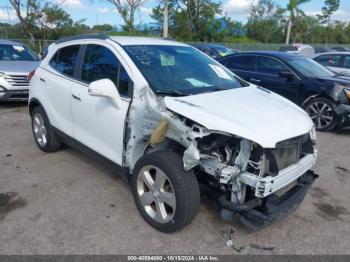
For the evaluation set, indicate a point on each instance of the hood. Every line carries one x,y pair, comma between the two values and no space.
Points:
24,67
344,80
250,112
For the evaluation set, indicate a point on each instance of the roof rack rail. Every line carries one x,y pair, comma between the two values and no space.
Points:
84,36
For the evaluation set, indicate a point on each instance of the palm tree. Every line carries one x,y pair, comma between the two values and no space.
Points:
294,11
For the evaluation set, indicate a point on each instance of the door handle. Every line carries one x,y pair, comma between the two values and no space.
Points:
255,80
76,96
42,80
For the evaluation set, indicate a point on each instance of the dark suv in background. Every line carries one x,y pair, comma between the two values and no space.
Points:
324,95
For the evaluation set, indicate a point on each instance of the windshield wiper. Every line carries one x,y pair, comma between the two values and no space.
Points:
172,93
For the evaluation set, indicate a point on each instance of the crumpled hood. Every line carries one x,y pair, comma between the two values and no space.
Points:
24,67
250,112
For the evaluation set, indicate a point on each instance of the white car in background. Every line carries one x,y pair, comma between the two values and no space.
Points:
16,62
179,123
338,62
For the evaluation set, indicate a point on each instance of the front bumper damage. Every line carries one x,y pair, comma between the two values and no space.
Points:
343,113
276,207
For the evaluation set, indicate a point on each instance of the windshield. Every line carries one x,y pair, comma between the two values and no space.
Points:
180,70
16,53
309,68
223,51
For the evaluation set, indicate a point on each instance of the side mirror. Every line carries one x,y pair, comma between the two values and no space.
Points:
105,88
286,74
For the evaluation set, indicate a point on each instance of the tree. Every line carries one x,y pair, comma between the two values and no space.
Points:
265,21
331,6
27,12
127,10
294,11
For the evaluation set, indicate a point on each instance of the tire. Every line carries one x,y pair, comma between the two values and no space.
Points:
43,133
178,183
322,112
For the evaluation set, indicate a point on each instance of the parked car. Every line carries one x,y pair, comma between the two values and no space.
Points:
175,119
16,62
300,49
215,51
338,62
324,95
321,49
340,49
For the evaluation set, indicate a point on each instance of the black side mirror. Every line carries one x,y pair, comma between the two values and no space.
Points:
286,74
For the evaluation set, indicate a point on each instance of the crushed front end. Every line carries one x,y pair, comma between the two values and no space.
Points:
261,185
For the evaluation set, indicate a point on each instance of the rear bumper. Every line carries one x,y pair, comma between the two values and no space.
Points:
277,207
14,95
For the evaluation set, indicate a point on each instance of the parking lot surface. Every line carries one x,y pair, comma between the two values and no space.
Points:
69,203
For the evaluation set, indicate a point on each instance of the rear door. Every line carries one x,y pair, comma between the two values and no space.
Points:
57,83
98,123
267,70
241,65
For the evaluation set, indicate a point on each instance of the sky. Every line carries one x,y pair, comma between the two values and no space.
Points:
101,11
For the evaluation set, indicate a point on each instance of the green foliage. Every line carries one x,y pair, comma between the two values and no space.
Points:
266,21
330,7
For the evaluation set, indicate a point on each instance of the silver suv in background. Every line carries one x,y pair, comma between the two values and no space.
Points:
16,62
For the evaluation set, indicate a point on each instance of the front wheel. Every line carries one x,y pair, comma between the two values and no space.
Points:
165,194
322,112
43,132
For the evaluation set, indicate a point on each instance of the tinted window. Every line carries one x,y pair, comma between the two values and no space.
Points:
329,60
65,59
242,62
267,65
209,52
347,61
100,63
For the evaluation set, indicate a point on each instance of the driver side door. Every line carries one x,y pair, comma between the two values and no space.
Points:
98,122
267,75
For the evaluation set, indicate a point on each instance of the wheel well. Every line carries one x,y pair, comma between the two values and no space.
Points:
33,104
316,96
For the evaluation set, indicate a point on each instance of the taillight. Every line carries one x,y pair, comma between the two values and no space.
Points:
30,75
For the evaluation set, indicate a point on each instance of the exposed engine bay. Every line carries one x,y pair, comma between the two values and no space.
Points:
239,175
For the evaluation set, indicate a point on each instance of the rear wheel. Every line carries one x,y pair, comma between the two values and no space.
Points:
167,197
44,135
321,110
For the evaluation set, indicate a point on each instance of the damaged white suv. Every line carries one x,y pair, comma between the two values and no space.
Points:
183,127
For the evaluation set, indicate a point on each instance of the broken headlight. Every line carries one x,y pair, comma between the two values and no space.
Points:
313,135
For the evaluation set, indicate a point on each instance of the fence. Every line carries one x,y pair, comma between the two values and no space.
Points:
39,45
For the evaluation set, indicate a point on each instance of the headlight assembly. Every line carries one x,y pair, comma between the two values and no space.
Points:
313,135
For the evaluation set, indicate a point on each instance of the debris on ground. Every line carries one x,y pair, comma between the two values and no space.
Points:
228,237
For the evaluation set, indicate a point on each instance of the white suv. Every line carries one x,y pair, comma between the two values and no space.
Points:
181,125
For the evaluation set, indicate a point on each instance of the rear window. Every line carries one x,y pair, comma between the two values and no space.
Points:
242,62
65,59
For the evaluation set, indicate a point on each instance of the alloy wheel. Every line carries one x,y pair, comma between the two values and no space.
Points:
156,194
321,114
40,131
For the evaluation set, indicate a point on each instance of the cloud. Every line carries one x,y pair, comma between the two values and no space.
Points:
237,7
340,15
7,16
71,3
103,10
146,10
